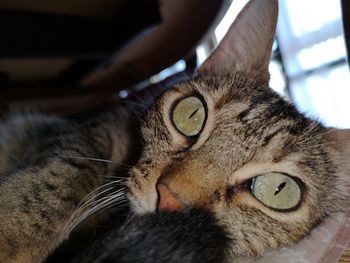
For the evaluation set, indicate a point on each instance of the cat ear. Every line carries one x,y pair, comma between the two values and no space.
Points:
338,143
248,43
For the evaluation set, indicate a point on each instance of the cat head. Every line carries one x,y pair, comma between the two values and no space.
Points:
226,142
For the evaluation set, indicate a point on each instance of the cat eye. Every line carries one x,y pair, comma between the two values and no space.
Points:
189,115
276,190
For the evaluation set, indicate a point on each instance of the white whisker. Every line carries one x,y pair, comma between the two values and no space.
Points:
119,203
79,212
106,201
128,221
95,159
86,158
98,189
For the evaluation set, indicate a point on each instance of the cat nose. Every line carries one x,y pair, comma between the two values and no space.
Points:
166,200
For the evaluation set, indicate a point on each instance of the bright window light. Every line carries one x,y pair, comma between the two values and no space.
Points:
229,17
325,52
325,96
277,81
201,54
312,15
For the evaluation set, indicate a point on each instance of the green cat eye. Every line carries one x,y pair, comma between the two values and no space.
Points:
276,190
189,116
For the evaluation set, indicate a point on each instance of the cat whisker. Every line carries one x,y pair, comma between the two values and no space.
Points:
81,211
117,197
95,159
122,182
91,201
122,204
128,220
98,189
86,158
117,203
116,177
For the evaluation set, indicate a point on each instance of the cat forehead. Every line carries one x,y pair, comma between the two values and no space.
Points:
238,83
242,95
226,91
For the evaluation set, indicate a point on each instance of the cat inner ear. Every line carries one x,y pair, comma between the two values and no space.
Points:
247,45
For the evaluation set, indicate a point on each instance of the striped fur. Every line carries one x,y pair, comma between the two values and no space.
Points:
41,186
250,130
54,172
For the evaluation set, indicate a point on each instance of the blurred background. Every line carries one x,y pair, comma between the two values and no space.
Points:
68,56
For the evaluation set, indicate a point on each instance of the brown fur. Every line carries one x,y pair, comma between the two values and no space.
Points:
249,131
252,133
41,186
345,257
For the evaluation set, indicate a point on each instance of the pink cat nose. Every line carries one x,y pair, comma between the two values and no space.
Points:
167,201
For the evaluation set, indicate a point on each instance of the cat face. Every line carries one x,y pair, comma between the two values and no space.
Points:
226,143
248,133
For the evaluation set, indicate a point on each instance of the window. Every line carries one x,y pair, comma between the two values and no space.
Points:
314,58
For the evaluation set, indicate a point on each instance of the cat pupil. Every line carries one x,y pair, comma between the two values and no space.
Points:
193,113
280,188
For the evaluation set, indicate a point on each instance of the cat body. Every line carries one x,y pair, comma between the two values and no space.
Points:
220,156
41,185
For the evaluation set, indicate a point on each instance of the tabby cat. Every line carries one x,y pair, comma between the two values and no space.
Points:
222,167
